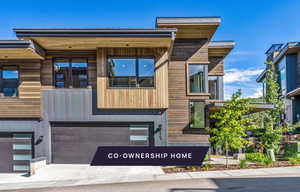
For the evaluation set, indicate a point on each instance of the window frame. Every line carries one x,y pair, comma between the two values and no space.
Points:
217,87
190,114
18,84
136,71
70,80
188,91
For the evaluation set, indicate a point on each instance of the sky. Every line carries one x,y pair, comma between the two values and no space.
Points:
253,24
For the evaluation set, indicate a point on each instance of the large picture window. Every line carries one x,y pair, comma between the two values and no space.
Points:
70,73
9,81
197,79
197,114
131,72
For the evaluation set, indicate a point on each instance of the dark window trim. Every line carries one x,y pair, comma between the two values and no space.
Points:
217,86
189,115
1,79
136,68
70,72
205,93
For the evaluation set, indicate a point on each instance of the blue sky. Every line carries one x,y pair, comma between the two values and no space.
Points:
254,25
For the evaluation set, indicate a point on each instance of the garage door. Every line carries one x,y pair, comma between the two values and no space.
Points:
77,143
16,151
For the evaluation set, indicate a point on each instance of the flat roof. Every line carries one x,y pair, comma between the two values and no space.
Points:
217,44
94,32
16,49
257,107
294,92
188,20
15,43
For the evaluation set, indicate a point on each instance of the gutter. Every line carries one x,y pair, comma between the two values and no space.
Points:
161,32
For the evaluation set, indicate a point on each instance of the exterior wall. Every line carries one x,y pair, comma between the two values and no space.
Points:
291,72
178,111
27,105
79,105
296,109
298,69
216,66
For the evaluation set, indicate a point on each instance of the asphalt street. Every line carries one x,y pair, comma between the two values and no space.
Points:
272,183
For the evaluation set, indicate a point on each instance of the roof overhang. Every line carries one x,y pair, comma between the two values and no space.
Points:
220,48
90,39
294,93
256,107
289,48
261,77
190,27
20,49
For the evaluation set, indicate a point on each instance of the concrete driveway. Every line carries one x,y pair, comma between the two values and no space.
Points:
67,172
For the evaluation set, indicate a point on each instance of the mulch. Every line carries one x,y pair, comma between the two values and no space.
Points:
219,167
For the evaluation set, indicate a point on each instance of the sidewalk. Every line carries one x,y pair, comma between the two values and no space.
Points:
132,174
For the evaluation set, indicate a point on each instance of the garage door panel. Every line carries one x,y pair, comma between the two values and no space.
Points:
15,151
78,144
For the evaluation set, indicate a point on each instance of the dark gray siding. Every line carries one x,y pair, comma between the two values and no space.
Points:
291,72
79,105
296,109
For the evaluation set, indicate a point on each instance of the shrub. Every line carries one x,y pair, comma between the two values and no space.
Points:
207,166
243,163
206,158
267,162
256,157
193,167
294,160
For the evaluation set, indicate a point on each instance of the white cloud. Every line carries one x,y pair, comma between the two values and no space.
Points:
240,75
257,93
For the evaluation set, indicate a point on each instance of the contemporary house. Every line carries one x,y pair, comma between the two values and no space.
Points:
64,92
286,58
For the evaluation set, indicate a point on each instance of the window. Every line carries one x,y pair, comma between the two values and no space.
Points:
21,147
9,81
20,167
213,87
197,79
131,72
281,67
197,114
70,73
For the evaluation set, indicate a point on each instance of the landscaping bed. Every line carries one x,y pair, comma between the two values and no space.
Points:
218,167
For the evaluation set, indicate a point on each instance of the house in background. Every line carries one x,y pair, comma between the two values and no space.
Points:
286,58
64,92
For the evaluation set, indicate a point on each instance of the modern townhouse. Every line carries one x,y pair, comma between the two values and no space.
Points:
286,58
64,92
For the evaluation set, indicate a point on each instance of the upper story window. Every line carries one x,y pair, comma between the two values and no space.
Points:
213,87
197,114
281,68
197,78
131,72
70,73
9,81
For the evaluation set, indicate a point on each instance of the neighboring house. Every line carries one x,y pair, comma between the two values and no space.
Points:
287,63
64,92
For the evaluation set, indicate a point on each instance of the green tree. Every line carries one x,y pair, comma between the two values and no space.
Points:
272,126
232,121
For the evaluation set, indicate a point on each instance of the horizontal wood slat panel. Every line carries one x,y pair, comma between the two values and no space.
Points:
20,108
133,98
28,103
